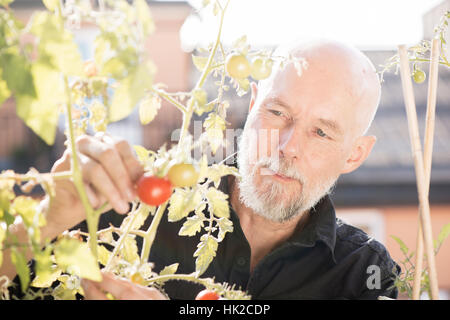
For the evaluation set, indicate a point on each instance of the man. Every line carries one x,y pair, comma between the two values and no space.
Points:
287,242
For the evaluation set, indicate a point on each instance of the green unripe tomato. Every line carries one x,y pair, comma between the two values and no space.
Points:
419,76
237,66
261,68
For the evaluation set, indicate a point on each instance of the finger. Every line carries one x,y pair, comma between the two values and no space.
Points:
110,159
94,174
91,291
63,163
125,290
128,155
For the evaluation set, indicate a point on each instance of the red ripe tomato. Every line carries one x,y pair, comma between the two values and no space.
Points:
90,69
207,294
153,190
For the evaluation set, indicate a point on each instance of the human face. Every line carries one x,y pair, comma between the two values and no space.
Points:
296,142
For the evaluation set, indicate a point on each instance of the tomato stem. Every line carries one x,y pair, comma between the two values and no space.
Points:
190,109
91,216
150,234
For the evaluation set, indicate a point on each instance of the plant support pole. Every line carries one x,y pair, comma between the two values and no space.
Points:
424,205
428,151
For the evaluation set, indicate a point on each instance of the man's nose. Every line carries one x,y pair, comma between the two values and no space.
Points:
290,142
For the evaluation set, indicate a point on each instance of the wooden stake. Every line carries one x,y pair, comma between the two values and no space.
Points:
428,151
424,205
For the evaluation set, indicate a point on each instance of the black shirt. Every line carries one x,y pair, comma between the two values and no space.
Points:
328,259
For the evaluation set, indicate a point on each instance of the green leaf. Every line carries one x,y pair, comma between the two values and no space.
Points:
103,255
5,2
144,16
169,269
217,171
129,92
51,4
218,202
46,271
130,249
76,258
22,269
57,44
41,113
4,91
142,153
148,108
402,245
45,280
225,225
443,234
16,72
205,253
199,62
191,226
182,202
26,208
214,126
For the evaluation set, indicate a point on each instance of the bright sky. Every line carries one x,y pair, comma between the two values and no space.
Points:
363,23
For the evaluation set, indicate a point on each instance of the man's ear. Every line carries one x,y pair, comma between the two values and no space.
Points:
361,150
254,88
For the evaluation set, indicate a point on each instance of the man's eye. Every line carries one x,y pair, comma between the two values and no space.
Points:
321,133
277,113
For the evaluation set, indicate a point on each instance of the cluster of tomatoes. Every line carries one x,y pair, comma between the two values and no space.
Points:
154,190
238,67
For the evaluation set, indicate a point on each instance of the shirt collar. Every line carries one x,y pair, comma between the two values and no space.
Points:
321,224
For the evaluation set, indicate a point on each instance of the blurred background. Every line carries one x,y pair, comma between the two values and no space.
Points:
381,196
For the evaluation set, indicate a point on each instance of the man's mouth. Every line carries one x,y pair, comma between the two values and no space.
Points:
268,172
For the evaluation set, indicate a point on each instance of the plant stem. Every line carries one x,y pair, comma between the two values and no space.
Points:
28,176
150,234
91,216
168,98
185,277
190,109
122,238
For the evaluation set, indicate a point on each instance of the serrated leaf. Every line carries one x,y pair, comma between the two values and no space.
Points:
45,280
130,250
129,92
402,245
46,272
218,203
41,113
22,269
169,269
51,4
148,109
191,226
16,72
103,254
182,203
225,225
76,258
214,126
444,233
217,171
205,253
26,208
199,62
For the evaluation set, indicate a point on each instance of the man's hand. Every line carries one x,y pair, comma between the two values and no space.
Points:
121,289
110,170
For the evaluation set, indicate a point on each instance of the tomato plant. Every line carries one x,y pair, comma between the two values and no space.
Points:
261,68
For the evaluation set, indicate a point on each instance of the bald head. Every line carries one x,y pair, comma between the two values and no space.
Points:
341,71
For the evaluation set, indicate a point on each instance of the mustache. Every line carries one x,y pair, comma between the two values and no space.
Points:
280,166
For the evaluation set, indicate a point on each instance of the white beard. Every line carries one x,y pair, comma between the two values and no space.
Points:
265,199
